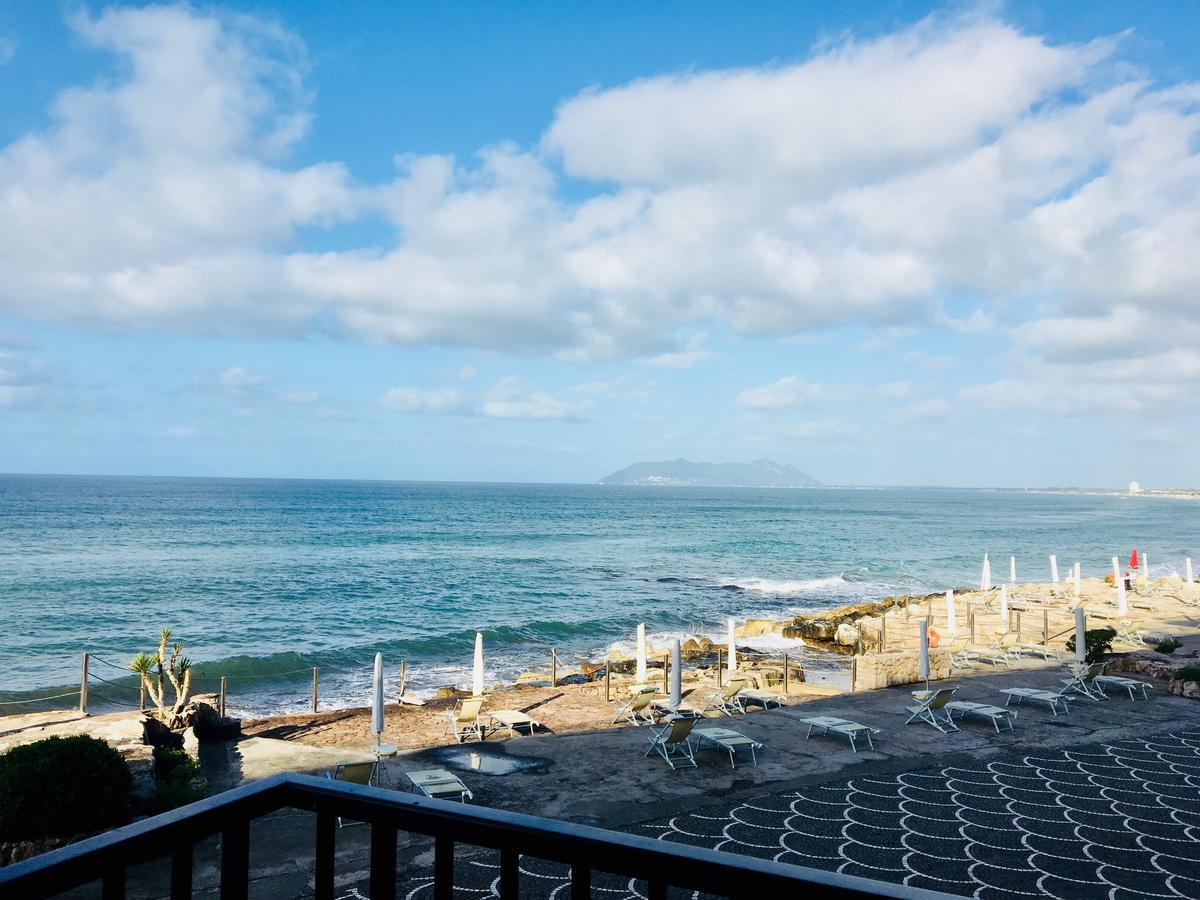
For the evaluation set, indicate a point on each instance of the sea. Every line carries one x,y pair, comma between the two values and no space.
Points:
264,579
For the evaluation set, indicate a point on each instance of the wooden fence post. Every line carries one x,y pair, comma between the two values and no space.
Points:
1017,616
553,667
853,673
971,621
83,687
720,658
142,696
403,678
883,632
785,673
221,701
608,682
1046,627
316,680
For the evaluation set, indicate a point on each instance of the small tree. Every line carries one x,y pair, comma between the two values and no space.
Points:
156,669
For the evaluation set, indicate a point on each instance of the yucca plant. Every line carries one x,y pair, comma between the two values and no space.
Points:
157,669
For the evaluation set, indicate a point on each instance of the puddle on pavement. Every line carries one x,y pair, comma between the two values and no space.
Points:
486,762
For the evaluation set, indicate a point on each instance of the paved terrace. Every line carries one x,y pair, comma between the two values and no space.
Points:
1103,801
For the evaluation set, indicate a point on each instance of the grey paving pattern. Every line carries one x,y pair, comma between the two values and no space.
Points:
1118,820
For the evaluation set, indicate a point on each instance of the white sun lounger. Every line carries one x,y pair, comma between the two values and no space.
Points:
994,714
729,741
1054,699
1130,684
439,784
832,724
513,720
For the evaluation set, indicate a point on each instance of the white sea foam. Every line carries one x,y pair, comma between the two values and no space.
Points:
787,586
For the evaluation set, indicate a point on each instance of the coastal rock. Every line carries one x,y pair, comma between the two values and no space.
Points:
19,851
156,734
847,635
1190,689
208,724
758,627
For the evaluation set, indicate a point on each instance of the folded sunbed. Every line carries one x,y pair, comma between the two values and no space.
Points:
1130,684
439,784
1054,699
994,714
512,719
729,741
834,725
762,698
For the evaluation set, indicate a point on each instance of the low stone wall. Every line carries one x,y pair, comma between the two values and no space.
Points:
1156,666
879,670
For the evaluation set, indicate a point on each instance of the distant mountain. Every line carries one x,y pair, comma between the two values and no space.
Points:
682,472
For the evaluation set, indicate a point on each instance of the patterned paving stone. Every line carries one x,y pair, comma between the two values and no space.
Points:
1118,822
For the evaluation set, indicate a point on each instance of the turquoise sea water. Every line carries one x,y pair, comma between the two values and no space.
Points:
264,579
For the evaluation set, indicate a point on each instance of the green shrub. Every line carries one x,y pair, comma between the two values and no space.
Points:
176,775
1187,673
61,787
1168,645
1097,642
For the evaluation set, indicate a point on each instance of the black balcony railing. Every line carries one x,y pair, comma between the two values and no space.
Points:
106,857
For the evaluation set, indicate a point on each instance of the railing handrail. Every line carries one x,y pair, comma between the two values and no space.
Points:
635,856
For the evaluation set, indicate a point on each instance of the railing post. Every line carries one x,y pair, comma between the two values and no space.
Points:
326,846
142,696
221,699
666,674
113,886
553,667
971,620
443,868
235,861
581,882
853,672
403,678
316,681
1046,627
608,681
883,632
785,673
383,861
720,665
181,873
510,874
83,686
1017,616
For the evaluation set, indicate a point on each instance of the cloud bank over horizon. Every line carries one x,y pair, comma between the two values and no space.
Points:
958,177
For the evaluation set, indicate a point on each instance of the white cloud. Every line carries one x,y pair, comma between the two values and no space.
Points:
414,400
301,398
895,390
932,410
875,182
511,398
785,393
237,379
24,381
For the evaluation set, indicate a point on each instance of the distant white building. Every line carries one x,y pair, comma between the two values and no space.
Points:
1134,487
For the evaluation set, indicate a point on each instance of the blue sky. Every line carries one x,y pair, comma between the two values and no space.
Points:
891,243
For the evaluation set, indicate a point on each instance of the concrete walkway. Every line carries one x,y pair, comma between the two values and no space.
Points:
602,778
